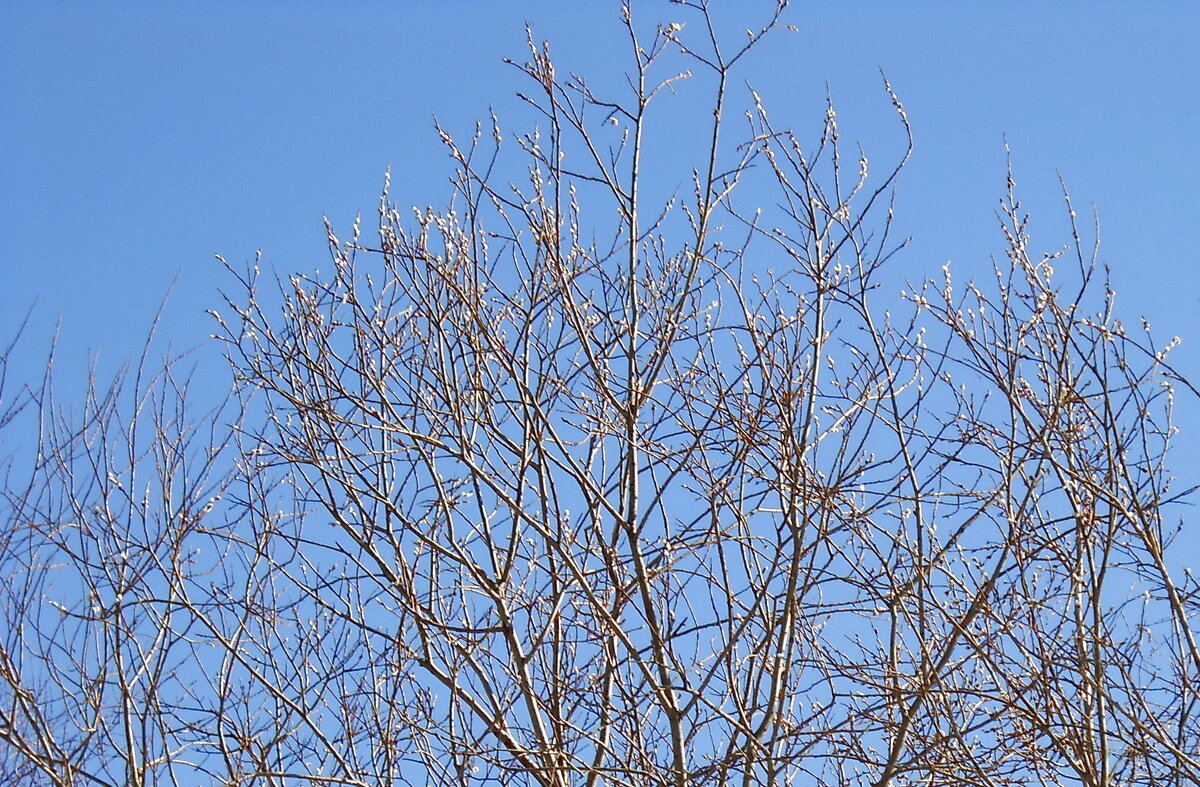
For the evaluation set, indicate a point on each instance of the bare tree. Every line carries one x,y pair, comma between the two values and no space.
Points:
568,484
103,511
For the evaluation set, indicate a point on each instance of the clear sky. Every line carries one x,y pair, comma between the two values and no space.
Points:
137,139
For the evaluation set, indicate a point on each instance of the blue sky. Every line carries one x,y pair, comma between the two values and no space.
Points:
138,139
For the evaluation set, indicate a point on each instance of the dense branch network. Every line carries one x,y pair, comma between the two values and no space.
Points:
565,485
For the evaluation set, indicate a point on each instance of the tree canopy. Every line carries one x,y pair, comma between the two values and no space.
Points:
567,482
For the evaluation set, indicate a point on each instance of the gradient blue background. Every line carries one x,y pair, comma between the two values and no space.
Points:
138,139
